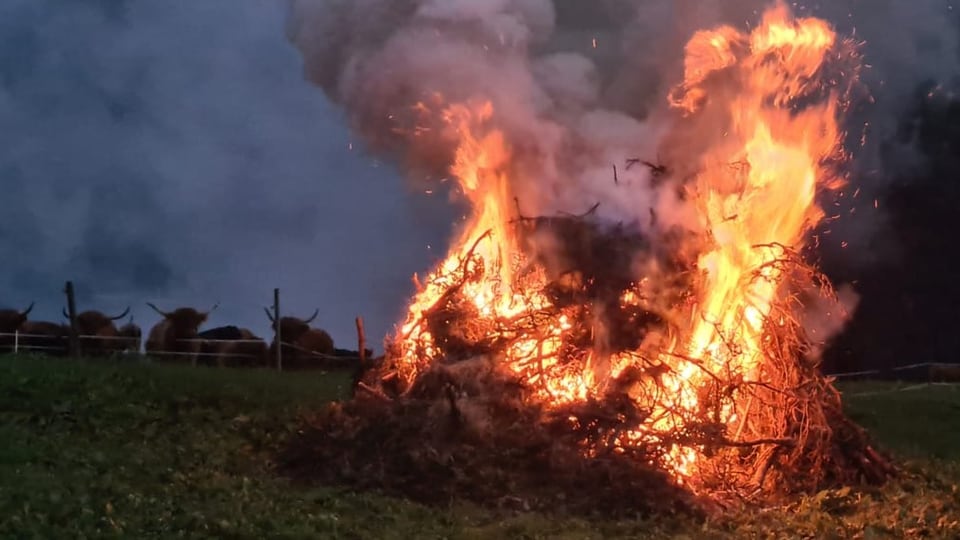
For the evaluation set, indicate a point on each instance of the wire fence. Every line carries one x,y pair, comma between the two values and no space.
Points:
66,340
952,386
898,369
21,343
18,345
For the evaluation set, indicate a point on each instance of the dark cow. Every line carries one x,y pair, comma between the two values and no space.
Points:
10,322
301,347
251,351
42,337
175,337
97,333
232,346
132,336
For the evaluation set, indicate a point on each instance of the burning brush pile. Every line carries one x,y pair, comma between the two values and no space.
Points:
569,361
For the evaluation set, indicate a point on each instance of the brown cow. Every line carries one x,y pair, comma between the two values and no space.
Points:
98,335
252,350
10,322
132,336
175,337
233,347
301,347
42,337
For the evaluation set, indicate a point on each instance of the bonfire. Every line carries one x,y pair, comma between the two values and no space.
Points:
567,361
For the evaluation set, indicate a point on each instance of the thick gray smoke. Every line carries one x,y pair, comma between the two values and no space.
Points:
546,93
172,152
579,86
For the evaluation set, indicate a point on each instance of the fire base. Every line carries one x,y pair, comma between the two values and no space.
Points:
478,423
464,432
469,431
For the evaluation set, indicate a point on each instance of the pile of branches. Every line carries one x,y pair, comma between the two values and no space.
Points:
588,267
465,427
795,436
464,431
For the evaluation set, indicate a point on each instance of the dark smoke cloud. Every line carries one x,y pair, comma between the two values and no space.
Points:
172,152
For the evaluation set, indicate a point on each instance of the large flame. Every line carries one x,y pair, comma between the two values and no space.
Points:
755,194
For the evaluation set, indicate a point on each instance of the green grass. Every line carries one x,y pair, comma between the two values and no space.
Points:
919,421
96,449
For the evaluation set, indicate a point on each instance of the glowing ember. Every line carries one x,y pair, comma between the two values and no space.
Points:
755,193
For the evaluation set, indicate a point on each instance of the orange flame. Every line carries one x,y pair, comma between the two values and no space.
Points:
764,204
756,194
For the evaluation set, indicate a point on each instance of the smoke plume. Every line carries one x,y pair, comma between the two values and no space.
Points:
580,86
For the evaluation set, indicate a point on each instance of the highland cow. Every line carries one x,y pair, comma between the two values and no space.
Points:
301,347
229,346
97,333
10,322
43,337
175,337
132,338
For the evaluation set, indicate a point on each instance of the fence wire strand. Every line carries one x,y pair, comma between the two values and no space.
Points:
18,345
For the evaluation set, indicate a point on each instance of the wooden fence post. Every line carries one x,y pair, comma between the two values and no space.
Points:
361,342
276,328
72,313
16,341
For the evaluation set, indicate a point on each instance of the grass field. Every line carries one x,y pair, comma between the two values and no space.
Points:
97,449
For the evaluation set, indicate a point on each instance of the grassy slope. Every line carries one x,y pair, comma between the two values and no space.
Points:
112,450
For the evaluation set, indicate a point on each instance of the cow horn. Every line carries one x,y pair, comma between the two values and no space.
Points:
312,317
28,310
155,308
65,314
269,315
122,315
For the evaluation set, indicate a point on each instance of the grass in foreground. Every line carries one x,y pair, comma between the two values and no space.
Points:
121,450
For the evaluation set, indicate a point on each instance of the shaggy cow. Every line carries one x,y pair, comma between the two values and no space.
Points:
42,337
98,335
132,336
233,347
302,347
251,351
175,337
10,322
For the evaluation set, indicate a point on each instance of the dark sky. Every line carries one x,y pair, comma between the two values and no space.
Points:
173,152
